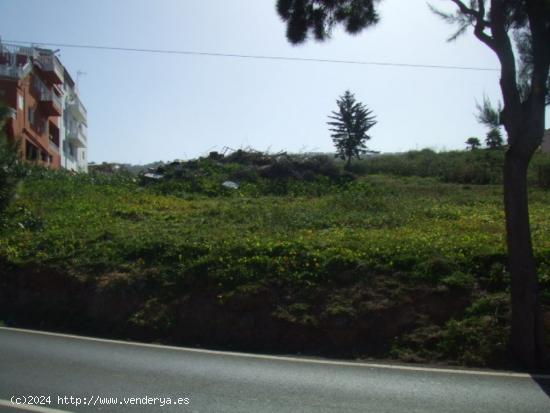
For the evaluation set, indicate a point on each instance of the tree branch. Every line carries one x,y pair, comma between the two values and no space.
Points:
465,9
480,24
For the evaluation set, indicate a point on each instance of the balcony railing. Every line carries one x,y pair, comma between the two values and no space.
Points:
17,56
50,64
47,95
12,51
77,134
78,109
53,146
14,61
56,99
14,72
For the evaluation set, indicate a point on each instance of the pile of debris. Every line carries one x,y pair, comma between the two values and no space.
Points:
249,166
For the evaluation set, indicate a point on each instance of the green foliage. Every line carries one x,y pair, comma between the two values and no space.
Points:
472,167
497,279
318,17
349,127
9,172
488,115
494,139
473,143
478,338
542,167
10,169
524,43
462,167
407,236
481,337
435,268
459,280
417,225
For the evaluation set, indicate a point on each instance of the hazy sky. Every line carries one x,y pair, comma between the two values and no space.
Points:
148,107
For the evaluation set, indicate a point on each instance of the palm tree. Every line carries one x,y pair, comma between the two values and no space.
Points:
494,139
473,143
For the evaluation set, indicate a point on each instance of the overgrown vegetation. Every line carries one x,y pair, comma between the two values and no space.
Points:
408,267
9,175
517,32
10,170
464,167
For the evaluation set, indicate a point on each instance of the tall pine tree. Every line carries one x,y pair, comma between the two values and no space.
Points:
349,127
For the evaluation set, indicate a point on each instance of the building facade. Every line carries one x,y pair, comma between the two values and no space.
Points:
47,117
73,128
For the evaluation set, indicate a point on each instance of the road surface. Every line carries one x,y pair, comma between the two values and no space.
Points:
109,376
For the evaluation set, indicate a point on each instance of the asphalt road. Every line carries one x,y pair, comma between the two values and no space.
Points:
95,371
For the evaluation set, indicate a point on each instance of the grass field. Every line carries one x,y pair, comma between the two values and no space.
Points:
403,267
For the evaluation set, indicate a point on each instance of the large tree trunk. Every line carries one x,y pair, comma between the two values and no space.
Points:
527,340
348,163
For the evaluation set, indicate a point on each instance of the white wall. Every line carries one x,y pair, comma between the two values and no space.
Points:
78,160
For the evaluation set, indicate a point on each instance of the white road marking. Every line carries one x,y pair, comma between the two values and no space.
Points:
290,359
30,408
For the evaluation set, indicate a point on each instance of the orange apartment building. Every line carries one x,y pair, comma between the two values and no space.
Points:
31,81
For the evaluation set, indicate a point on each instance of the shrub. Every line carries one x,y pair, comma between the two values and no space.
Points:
435,268
10,169
481,337
544,175
464,167
8,172
459,280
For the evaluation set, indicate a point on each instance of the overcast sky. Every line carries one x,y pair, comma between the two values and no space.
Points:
148,107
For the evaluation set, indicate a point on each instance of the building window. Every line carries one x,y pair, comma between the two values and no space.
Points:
37,122
83,155
20,102
31,152
31,116
53,134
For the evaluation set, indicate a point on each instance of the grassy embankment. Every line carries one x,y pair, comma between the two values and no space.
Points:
404,267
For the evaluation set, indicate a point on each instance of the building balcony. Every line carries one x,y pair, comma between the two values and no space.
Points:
49,102
51,68
13,72
77,109
77,136
53,147
15,61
